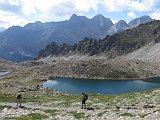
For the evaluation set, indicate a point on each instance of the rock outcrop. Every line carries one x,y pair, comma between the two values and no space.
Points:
111,46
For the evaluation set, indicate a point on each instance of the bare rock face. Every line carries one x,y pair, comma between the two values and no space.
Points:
111,46
140,20
24,43
118,27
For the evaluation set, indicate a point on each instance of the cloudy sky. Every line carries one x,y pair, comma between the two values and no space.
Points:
21,12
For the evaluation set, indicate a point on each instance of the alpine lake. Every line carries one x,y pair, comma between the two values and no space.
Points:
3,73
93,86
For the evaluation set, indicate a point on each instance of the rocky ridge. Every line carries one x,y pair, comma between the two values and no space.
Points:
23,43
111,46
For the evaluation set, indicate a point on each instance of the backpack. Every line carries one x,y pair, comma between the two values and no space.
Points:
19,96
86,97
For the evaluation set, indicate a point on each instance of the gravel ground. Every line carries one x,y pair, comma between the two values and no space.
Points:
24,78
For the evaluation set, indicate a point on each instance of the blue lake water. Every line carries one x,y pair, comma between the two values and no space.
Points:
77,86
3,73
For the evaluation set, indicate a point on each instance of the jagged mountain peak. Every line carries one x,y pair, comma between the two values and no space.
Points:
38,22
121,23
140,20
23,39
33,25
14,29
99,16
102,21
75,17
112,46
118,27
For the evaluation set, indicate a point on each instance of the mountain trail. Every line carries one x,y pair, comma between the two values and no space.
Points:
42,107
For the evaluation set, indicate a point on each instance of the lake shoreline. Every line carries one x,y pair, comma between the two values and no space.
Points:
24,80
95,86
117,79
3,73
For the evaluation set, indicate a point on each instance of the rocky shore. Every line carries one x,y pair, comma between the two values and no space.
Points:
39,103
96,68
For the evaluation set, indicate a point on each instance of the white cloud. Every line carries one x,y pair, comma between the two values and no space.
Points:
29,7
11,6
142,5
51,6
43,9
116,5
2,1
131,15
114,21
58,7
8,20
86,5
47,10
133,5
155,15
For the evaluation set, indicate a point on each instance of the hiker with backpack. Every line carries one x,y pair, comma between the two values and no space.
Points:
84,99
18,99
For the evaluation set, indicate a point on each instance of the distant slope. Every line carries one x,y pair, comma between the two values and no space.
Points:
71,31
2,29
26,41
140,20
111,46
23,43
118,27
150,52
122,25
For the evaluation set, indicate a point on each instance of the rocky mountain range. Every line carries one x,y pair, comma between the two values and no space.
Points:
118,27
2,29
23,43
140,20
111,46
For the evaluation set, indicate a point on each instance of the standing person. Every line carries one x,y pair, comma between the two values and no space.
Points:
84,98
18,99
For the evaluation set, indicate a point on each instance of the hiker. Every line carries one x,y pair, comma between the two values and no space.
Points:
84,98
18,99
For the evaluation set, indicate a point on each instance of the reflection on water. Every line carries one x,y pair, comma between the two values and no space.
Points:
102,86
153,80
3,73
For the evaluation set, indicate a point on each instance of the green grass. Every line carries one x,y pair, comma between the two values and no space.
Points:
78,115
71,99
7,98
68,100
89,104
31,116
5,106
107,99
52,112
100,114
127,114
144,115
40,100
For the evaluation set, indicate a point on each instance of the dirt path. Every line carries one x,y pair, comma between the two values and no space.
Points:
63,112
41,107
